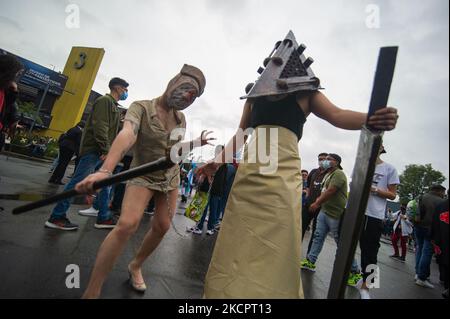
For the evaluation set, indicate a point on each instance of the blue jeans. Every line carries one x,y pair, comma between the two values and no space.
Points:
96,202
55,163
424,252
325,225
85,167
214,213
231,173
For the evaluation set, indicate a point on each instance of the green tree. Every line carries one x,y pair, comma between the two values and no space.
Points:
416,179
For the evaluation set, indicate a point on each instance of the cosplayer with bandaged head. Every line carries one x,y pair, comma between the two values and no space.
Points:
148,125
183,89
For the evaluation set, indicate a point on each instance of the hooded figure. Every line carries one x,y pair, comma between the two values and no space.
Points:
152,127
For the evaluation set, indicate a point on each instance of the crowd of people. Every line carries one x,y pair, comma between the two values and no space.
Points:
422,220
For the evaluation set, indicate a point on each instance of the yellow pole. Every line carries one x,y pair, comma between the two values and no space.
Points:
81,69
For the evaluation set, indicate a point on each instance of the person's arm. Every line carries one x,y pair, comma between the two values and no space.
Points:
384,119
324,197
232,146
203,139
390,193
235,143
121,145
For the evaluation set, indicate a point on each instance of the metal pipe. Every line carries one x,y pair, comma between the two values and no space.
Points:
160,164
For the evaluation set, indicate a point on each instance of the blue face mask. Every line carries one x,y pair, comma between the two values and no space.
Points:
123,96
326,164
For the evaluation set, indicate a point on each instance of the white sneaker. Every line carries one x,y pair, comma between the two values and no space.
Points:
210,232
197,231
417,277
91,212
364,293
424,283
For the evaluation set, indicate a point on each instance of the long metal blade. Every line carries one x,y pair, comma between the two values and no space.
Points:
369,145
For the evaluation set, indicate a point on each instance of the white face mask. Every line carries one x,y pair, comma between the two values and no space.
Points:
181,97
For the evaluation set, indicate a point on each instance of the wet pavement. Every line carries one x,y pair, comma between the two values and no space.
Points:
33,259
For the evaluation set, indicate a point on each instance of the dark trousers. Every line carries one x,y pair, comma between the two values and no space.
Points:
119,189
369,243
2,140
306,221
65,155
444,274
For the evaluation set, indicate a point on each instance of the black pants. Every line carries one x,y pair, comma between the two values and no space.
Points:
443,273
2,140
65,155
119,189
369,243
306,220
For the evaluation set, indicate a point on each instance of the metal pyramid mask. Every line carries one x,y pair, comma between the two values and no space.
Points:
286,70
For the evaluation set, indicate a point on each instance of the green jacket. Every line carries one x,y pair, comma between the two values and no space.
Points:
101,127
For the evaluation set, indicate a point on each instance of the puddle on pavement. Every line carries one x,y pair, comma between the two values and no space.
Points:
79,200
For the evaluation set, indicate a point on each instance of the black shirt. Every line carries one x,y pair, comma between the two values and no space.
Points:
72,139
315,178
285,113
218,184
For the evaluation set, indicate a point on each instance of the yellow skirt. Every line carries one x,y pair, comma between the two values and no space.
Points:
258,250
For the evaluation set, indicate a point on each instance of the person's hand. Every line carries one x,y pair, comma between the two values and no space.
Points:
384,119
87,184
437,250
313,207
103,157
203,139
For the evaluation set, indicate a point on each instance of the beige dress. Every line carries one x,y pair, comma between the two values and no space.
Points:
258,249
152,143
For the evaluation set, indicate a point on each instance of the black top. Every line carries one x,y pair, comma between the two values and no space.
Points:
72,139
439,231
204,186
315,179
285,113
218,184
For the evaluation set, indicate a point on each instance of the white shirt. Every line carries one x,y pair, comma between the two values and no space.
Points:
385,174
407,227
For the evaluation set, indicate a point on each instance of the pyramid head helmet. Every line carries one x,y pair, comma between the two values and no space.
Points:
286,70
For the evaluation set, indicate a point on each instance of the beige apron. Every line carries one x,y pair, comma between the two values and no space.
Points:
258,250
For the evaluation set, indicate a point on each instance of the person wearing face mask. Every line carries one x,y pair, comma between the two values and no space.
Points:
148,127
99,132
384,187
332,203
314,183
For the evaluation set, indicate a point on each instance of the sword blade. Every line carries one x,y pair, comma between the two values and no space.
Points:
369,145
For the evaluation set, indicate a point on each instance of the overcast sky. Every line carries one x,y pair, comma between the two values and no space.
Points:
147,42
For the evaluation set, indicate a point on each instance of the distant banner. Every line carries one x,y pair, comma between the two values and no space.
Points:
39,76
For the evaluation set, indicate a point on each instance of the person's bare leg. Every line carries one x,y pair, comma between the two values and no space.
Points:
135,200
160,225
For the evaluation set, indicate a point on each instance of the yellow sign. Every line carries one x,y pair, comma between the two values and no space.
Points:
81,69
